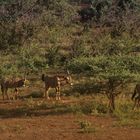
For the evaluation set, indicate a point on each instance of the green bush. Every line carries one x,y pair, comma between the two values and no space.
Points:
52,56
90,107
86,126
31,59
87,87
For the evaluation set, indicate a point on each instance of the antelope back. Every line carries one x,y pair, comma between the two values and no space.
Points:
50,81
13,83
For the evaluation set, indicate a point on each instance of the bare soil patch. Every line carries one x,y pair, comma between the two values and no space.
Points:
43,125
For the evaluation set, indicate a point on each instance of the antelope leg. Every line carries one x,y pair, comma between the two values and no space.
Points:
135,104
3,92
16,93
59,98
58,93
7,94
46,93
3,95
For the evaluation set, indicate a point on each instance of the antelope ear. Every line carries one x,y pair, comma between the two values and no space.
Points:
24,78
43,77
68,72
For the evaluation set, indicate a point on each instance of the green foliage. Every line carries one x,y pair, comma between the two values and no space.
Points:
31,59
8,66
32,28
52,56
123,4
87,87
13,35
21,21
90,107
122,45
86,126
59,12
78,48
114,70
125,115
26,60
95,10
113,66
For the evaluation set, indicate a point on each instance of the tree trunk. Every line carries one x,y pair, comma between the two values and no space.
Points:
111,103
111,95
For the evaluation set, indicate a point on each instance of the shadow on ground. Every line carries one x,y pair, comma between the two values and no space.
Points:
20,108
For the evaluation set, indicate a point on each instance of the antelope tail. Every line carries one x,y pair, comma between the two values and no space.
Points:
43,77
2,88
135,91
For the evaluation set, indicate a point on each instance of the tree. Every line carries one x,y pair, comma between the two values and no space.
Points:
21,20
31,59
95,10
16,23
123,4
113,71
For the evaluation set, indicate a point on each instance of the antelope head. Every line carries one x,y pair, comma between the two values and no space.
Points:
68,78
25,81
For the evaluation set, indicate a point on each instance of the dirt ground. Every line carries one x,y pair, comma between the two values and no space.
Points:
65,126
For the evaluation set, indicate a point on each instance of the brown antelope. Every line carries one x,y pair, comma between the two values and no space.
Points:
136,96
55,82
12,83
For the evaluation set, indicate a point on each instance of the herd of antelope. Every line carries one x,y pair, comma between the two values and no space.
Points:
56,82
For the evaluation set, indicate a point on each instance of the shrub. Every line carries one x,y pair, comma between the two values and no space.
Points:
86,126
52,56
31,59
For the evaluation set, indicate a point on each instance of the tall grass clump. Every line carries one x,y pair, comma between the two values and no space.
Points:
125,115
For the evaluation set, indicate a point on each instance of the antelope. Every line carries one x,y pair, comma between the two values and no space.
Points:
55,82
12,83
136,96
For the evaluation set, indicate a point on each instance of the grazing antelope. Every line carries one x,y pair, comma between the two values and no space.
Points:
55,82
12,83
136,95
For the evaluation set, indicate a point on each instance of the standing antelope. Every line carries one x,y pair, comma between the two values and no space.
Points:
55,82
12,83
136,95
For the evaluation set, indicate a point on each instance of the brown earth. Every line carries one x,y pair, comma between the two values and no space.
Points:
42,125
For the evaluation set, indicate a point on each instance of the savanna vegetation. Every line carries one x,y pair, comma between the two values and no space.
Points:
98,41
